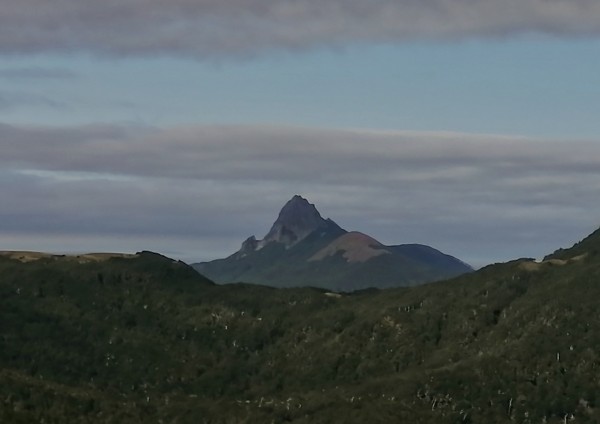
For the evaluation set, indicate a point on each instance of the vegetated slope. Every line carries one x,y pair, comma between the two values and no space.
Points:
589,245
302,247
144,340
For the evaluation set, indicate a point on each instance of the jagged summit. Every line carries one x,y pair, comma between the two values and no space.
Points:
297,219
298,211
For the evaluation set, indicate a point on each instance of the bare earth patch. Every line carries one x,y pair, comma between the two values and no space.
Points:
356,247
536,266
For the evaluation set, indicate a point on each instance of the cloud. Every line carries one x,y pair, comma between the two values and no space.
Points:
241,27
200,191
36,73
10,100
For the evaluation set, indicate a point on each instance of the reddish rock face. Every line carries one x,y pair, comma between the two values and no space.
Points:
355,247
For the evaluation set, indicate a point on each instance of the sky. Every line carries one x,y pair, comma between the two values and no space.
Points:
183,127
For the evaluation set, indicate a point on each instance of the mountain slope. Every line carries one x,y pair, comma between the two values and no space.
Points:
301,246
151,341
589,245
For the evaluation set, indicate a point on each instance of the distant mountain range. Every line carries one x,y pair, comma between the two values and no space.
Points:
304,249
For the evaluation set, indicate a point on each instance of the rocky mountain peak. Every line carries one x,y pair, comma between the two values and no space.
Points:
249,245
297,219
298,212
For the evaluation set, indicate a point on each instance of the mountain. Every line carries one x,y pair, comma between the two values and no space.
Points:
302,246
143,338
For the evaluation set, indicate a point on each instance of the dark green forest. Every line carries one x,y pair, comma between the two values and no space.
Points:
149,340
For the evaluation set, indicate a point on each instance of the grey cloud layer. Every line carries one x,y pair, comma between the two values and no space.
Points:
10,100
288,153
479,197
35,73
211,27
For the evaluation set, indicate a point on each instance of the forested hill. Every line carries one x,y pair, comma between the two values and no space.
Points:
146,339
